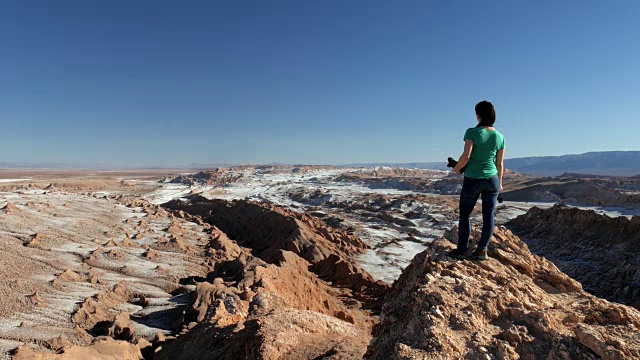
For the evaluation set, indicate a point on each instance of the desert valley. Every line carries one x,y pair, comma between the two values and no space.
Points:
310,262
289,180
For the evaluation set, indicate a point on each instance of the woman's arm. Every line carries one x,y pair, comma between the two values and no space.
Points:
464,158
500,165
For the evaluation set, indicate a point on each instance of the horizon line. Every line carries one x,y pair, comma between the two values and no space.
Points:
195,166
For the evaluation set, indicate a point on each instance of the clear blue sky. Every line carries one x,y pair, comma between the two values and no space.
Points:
176,82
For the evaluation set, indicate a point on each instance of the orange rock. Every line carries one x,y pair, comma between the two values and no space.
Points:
98,308
70,275
35,241
128,243
102,349
514,305
11,209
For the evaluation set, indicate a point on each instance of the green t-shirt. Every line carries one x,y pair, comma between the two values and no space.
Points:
486,144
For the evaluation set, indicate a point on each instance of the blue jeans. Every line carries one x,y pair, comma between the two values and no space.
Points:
471,190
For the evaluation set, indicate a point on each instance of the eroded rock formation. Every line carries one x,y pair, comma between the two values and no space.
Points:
514,306
576,189
601,252
283,285
102,349
268,231
216,177
265,282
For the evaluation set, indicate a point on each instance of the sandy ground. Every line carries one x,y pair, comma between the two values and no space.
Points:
60,248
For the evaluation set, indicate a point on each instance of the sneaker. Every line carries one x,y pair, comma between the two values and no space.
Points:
480,255
457,254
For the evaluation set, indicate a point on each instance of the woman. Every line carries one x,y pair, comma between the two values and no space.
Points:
483,157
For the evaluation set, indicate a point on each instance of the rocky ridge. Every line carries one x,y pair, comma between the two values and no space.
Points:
269,231
601,252
284,287
216,177
578,189
514,306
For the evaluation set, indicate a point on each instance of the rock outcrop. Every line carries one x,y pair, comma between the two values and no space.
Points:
284,285
580,190
102,349
216,177
272,333
268,230
601,252
516,305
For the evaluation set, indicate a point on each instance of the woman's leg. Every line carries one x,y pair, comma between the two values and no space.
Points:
468,198
489,200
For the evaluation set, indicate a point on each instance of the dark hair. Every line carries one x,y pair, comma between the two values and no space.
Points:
487,113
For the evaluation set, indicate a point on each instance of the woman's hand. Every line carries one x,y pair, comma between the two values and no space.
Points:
466,156
500,187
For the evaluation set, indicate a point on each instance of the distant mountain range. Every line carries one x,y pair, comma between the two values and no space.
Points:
612,163
609,163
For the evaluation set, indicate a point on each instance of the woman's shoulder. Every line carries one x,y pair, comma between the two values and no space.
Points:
470,134
494,131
